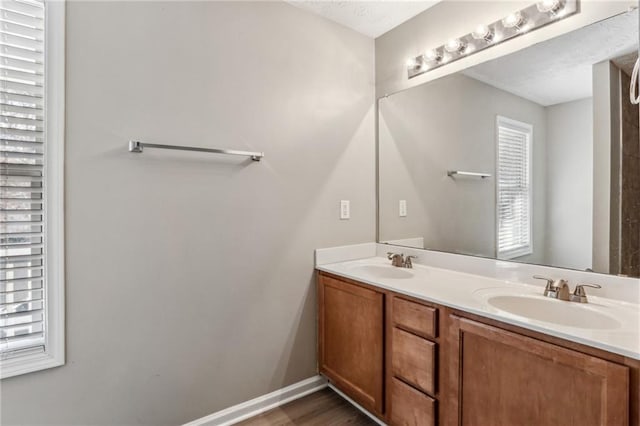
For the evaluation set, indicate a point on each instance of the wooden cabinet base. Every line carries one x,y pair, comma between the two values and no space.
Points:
451,368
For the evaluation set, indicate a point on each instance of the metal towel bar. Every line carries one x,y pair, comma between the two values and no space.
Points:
453,173
137,146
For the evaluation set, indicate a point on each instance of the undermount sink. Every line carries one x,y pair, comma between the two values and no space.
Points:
558,312
380,271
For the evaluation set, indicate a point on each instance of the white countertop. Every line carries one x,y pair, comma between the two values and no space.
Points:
468,292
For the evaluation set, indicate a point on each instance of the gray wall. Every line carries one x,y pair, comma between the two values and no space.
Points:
449,124
189,277
570,184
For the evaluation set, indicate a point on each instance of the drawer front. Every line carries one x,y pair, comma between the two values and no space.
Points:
410,407
413,359
414,317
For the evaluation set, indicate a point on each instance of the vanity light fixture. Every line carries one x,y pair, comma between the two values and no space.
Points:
514,20
550,6
455,46
515,24
412,63
433,55
483,32
416,65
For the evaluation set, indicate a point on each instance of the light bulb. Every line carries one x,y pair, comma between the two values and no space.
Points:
412,63
455,45
483,32
549,6
513,20
433,55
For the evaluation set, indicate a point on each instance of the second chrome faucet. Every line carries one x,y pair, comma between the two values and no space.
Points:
398,260
559,289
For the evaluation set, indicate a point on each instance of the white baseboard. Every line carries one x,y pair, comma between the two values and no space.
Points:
355,404
245,410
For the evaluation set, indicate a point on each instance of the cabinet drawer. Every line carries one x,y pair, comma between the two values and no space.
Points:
415,317
413,359
410,407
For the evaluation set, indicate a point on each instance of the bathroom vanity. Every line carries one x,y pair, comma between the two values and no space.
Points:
423,347
482,173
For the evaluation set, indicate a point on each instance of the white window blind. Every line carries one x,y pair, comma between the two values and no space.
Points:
22,177
514,188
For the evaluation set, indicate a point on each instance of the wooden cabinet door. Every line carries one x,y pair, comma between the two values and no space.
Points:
350,340
503,378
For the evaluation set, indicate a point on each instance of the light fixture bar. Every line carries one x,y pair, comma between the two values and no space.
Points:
513,25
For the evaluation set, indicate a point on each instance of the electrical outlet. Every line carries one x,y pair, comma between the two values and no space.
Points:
345,209
402,208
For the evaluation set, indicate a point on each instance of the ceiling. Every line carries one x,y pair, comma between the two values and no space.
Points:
371,18
559,70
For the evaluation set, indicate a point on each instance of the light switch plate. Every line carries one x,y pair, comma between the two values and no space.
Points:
345,209
402,208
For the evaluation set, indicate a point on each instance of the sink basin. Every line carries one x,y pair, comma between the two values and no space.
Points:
559,312
380,271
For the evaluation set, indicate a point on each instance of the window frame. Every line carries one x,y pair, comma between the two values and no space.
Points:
502,121
54,111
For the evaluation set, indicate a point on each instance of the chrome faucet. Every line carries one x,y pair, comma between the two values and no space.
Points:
559,289
556,289
398,260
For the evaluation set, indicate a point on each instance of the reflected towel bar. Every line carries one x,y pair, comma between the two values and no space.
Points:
453,173
137,146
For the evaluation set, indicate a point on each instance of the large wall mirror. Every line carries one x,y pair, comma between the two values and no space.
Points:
532,157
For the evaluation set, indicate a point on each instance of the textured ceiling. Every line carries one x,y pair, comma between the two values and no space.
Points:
559,70
372,18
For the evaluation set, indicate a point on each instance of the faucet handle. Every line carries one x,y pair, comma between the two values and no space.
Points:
549,281
397,259
558,289
407,261
579,295
580,287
